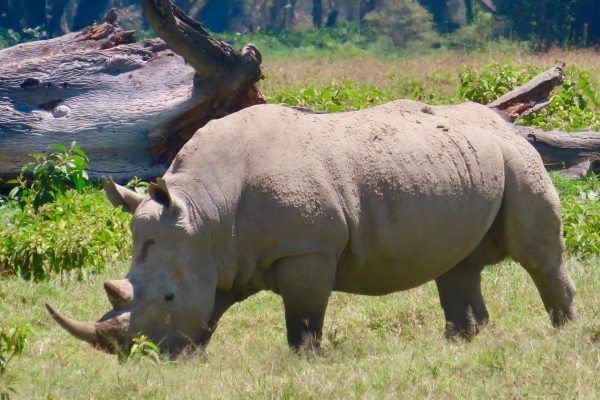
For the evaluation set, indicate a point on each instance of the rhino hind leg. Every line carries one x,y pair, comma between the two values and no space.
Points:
305,284
533,235
460,290
539,249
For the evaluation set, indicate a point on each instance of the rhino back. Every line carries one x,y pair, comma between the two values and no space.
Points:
399,193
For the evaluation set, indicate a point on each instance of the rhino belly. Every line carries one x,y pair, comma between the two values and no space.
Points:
407,227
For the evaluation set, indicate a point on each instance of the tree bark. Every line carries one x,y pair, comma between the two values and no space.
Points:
130,106
562,150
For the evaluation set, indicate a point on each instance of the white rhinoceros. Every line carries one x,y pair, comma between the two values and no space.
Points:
367,202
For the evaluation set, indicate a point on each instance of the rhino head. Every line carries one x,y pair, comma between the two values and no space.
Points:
169,292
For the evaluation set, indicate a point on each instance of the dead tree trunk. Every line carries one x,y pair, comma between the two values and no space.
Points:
130,106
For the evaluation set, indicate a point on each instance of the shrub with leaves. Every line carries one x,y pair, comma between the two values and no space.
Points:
12,343
573,107
78,231
492,81
580,201
51,175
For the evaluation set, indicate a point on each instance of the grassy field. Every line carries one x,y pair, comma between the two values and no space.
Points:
386,347
374,347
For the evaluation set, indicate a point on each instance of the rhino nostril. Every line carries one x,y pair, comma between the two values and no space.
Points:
169,297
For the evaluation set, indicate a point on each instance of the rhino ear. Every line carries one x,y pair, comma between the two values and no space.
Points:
160,193
120,196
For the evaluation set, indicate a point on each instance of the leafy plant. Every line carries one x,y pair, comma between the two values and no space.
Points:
143,348
580,202
78,232
492,81
51,175
574,107
12,343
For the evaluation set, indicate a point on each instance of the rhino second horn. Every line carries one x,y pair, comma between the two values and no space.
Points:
85,331
119,292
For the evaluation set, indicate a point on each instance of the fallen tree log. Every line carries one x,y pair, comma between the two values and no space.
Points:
132,106
562,150
574,154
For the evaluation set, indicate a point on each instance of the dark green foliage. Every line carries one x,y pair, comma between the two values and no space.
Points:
142,348
348,39
51,175
405,22
553,22
10,37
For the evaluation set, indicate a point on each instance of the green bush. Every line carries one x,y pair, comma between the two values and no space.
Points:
580,202
335,97
78,231
573,107
57,221
492,81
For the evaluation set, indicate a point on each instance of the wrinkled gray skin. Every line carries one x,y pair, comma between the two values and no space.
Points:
368,202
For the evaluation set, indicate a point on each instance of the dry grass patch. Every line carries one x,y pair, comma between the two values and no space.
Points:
437,70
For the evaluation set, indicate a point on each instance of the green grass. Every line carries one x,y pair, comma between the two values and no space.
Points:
375,347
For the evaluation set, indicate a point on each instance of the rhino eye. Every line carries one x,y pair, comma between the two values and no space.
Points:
169,297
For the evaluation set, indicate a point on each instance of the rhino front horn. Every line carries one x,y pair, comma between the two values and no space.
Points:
85,331
119,292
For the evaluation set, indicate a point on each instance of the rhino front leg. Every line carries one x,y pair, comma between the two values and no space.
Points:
305,284
460,295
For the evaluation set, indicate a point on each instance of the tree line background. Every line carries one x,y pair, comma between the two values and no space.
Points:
542,22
